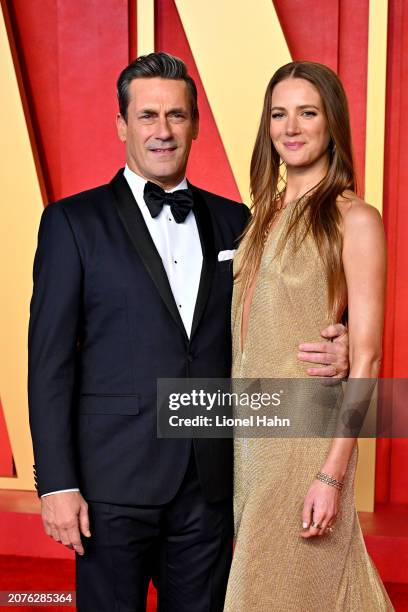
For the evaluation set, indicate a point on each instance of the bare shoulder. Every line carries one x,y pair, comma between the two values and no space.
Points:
357,215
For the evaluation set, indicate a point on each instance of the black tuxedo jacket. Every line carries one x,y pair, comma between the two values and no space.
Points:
103,327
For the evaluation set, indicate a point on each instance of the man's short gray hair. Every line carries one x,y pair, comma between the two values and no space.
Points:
161,65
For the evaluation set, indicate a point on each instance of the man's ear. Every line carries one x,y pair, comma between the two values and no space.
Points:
196,126
121,127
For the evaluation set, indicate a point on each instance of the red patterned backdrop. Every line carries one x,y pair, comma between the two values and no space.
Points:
70,52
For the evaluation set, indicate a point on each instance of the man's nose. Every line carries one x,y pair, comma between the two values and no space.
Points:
163,131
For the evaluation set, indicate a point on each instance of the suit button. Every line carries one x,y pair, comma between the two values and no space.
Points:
190,357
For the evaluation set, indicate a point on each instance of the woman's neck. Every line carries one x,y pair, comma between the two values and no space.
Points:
301,180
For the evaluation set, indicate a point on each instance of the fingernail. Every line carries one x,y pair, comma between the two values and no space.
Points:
305,525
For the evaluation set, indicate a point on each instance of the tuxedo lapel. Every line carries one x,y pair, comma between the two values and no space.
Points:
206,232
135,226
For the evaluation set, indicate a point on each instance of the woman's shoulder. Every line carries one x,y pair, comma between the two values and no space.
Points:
356,213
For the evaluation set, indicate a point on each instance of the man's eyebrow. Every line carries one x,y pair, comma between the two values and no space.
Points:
178,109
154,111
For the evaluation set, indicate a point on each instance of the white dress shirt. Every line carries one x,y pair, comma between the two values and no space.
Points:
179,247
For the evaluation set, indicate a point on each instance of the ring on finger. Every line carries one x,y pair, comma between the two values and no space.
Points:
316,525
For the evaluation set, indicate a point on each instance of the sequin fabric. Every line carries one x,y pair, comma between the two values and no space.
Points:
274,569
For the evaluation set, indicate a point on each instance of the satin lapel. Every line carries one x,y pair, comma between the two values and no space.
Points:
135,226
206,232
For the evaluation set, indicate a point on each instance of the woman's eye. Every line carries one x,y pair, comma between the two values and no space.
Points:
310,113
277,115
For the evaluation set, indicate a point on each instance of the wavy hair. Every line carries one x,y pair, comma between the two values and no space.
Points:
318,207
161,65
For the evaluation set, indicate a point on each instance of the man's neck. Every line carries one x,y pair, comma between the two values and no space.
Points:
167,185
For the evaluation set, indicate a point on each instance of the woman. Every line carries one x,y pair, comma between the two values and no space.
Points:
312,249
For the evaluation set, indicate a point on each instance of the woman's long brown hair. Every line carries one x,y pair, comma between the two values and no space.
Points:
318,208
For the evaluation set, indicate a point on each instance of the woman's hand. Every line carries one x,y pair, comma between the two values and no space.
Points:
319,509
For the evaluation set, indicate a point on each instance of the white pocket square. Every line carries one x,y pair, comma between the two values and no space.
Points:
225,255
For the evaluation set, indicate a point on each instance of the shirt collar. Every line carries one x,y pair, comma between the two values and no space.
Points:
137,184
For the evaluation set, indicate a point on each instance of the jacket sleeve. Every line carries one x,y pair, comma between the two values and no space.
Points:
247,214
52,341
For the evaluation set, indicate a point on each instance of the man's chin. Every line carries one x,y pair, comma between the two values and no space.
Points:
167,172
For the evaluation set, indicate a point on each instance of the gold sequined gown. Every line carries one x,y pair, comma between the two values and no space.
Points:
274,569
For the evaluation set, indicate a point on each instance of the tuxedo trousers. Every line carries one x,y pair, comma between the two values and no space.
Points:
184,546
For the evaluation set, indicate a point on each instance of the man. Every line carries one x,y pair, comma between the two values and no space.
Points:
128,289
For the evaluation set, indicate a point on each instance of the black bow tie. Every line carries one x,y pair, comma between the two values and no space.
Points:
180,201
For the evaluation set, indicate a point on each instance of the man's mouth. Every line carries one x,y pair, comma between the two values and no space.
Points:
163,150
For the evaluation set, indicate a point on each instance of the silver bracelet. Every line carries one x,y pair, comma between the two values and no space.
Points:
330,480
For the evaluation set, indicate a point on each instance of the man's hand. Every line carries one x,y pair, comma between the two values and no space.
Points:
332,357
65,517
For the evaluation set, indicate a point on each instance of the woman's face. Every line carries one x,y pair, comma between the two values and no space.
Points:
298,127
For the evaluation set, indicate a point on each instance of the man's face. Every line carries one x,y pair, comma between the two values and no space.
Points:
159,130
